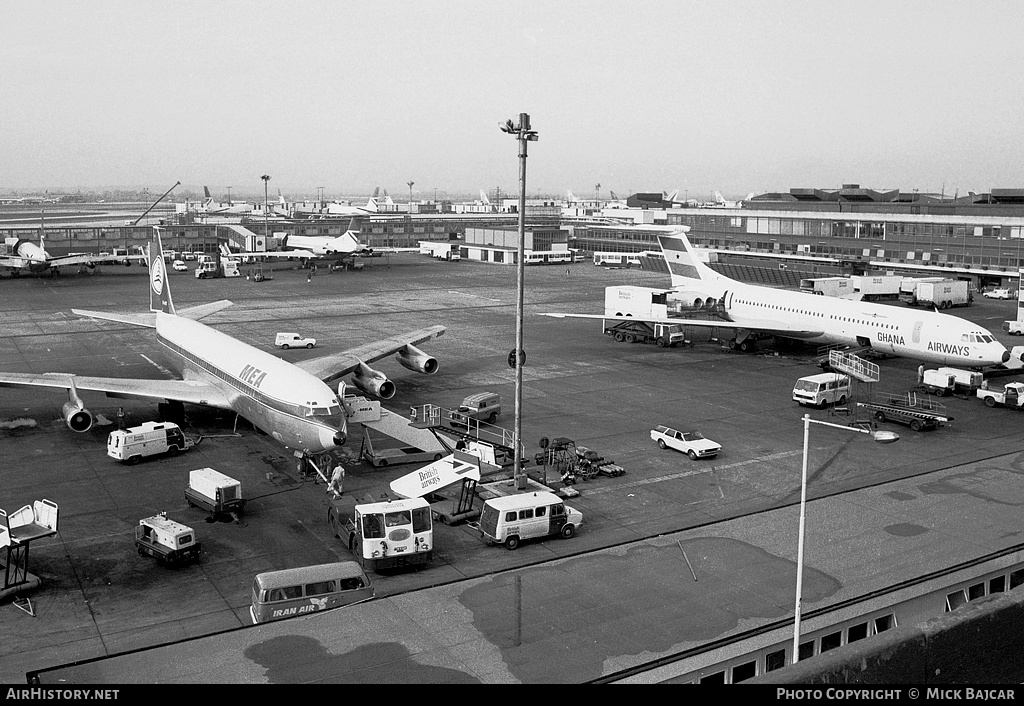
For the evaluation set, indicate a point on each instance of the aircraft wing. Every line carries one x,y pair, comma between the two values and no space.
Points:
147,320
766,325
331,367
201,311
69,260
274,254
194,392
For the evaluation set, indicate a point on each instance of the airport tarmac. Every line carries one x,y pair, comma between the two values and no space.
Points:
100,598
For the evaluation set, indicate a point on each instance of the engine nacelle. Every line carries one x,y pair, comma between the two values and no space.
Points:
413,358
695,300
373,382
77,417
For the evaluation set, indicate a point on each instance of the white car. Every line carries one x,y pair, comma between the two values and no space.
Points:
997,294
179,266
692,443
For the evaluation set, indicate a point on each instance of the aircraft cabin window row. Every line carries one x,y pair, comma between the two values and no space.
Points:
815,313
272,402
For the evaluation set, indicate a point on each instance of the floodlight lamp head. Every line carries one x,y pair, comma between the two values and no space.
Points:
508,127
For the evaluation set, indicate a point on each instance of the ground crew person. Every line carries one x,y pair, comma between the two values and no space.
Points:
337,483
120,418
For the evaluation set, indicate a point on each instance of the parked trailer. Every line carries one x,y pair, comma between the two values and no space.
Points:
643,332
946,381
919,413
941,294
873,288
828,286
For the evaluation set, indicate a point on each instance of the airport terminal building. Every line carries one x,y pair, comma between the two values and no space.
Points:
977,237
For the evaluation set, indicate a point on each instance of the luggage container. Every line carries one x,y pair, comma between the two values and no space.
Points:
213,491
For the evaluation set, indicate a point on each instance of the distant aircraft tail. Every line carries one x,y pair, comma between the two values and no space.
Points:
719,198
570,196
683,263
159,289
671,196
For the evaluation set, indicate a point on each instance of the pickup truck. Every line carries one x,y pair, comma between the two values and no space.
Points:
1010,396
293,340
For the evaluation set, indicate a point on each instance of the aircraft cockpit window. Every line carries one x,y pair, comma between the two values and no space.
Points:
964,338
987,339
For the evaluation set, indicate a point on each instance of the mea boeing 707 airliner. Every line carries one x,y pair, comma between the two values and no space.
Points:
912,333
293,403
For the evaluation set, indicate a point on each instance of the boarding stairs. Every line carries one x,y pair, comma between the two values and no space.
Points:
439,421
17,531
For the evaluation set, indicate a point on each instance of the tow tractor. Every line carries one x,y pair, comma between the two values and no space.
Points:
917,412
665,335
168,541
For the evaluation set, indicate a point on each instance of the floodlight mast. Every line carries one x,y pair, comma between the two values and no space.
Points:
517,358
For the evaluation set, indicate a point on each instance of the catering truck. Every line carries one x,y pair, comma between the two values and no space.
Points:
148,439
936,292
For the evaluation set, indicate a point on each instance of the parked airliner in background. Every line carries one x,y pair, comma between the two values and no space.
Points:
293,403
26,256
721,202
232,208
752,309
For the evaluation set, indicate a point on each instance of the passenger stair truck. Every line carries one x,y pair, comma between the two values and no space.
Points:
636,310
1011,396
416,445
17,531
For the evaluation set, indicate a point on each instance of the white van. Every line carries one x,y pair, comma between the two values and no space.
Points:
822,390
510,519
148,439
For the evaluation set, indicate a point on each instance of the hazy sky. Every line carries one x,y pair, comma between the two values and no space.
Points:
637,96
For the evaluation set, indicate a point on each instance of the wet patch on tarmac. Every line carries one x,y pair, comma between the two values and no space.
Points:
899,495
952,485
295,659
644,601
905,529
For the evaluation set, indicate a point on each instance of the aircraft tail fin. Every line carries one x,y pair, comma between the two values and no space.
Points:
719,198
683,264
159,289
670,196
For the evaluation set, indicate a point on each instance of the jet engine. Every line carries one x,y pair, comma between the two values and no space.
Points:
76,416
695,300
413,358
373,382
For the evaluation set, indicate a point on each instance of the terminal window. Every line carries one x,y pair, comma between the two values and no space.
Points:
742,672
831,641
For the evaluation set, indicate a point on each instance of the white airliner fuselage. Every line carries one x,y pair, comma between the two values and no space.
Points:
294,407
913,333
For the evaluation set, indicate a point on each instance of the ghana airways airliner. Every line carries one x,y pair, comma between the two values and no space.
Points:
912,333
293,403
